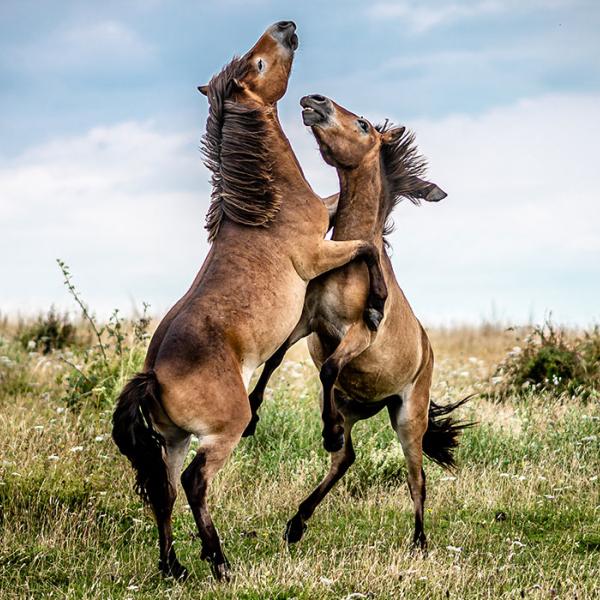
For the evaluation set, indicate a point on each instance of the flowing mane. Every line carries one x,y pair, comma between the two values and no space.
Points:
403,168
236,150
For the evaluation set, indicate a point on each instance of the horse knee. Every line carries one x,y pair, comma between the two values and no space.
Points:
329,373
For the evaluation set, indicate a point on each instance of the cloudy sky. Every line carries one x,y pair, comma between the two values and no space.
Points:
100,124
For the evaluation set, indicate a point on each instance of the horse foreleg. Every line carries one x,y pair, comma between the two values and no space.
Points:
334,254
354,342
256,397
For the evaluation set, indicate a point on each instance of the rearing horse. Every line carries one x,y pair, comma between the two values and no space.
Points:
363,372
267,228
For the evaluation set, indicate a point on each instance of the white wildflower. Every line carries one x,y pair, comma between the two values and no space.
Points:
99,438
77,449
53,457
456,549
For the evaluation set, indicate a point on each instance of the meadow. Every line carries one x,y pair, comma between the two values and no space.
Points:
518,519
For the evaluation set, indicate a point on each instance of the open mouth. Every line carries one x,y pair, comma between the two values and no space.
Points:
294,42
312,116
312,112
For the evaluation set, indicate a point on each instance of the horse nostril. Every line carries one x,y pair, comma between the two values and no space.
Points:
318,98
286,24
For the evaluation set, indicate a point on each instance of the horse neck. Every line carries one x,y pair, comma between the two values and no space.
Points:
359,213
287,170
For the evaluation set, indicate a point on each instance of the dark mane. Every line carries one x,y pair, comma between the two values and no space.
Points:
236,150
403,168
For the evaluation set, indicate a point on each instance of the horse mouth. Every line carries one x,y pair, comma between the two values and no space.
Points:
313,113
284,32
312,116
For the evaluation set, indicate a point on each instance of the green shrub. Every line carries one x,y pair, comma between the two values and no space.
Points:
52,331
551,360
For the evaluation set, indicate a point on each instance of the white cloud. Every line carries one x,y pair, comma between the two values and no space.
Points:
520,224
423,16
104,44
125,206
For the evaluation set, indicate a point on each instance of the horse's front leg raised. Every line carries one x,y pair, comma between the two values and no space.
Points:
334,254
356,341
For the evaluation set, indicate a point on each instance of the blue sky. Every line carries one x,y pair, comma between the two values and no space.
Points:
100,124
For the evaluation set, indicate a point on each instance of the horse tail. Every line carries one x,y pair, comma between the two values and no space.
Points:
441,438
136,437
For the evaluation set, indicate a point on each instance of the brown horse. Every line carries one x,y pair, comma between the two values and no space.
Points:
267,229
364,371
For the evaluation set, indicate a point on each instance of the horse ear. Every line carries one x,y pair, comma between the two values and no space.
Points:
430,191
391,135
203,89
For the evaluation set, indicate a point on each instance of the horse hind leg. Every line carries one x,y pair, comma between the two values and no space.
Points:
156,449
212,454
219,424
341,461
409,420
174,454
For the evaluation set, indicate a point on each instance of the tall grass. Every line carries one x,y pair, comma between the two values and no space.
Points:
519,519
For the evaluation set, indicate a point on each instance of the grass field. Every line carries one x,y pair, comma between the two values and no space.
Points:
520,518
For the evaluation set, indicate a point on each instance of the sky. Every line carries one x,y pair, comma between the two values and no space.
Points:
100,124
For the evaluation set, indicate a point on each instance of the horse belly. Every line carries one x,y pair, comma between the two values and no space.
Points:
368,382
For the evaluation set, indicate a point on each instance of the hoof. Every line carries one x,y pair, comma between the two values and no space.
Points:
419,546
251,427
373,318
221,571
175,570
294,530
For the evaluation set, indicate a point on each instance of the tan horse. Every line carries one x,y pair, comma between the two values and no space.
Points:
267,229
364,371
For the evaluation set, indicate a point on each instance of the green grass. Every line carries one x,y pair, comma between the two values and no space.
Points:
520,518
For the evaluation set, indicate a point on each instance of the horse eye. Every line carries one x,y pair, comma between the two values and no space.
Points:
260,65
363,125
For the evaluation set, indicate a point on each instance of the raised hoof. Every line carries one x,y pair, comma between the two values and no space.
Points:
373,318
251,427
294,530
175,570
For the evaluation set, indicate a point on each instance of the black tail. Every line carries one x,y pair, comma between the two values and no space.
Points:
441,437
137,439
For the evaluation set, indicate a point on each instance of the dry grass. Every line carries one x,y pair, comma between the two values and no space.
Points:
519,519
